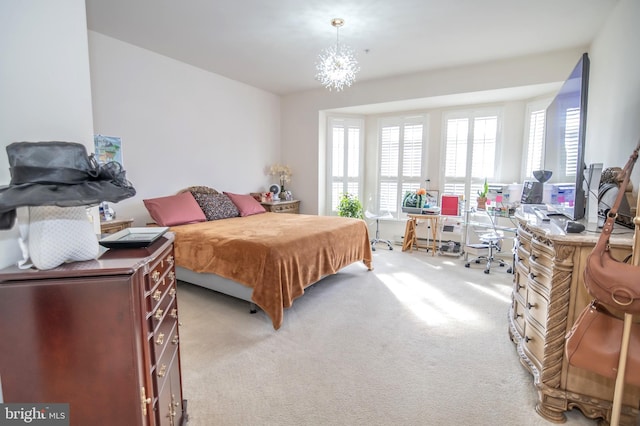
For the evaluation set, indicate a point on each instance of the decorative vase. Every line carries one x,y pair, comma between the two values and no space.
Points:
282,195
482,203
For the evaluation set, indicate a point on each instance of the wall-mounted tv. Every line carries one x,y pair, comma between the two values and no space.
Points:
564,143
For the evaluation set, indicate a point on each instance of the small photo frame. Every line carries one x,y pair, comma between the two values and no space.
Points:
433,197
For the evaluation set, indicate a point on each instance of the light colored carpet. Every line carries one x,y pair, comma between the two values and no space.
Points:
420,340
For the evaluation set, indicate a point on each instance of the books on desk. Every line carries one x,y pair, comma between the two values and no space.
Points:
424,210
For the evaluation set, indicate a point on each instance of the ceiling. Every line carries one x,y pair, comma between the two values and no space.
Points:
273,45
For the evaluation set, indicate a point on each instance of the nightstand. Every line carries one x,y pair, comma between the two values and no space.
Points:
282,206
114,225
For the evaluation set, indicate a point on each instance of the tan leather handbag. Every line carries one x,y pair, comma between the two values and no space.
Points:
594,341
612,282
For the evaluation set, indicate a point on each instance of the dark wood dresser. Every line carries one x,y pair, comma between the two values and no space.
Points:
100,335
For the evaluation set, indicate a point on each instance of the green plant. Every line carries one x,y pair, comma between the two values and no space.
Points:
485,190
350,206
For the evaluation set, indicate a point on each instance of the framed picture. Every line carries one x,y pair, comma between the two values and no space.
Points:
433,195
108,148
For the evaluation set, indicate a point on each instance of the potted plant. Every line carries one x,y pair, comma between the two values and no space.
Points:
482,195
350,206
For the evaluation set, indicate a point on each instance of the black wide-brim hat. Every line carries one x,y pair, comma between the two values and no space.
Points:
58,174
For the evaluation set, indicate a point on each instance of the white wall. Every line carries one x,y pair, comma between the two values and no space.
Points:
180,125
45,91
613,118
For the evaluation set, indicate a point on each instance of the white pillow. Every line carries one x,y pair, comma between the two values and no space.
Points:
60,234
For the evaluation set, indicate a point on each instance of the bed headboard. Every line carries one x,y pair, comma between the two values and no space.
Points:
200,189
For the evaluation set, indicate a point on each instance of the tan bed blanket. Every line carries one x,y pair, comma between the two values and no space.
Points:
276,254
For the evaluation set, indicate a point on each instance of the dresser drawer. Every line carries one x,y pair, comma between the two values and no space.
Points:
520,280
524,239
533,343
169,405
162,367
540,277
282,206
537,308
159,270
158,302
165,333
542,259
518,316
522,256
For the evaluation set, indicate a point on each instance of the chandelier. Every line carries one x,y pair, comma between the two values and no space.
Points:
337,65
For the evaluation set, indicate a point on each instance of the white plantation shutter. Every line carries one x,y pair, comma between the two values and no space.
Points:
456,148
485,131
346,154
535,142
571,141
401,160
471,144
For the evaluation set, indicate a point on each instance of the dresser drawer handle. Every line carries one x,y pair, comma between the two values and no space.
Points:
155,276
527,339
174,313
534,257
520,286
532,275
157,295
158,314
170,259
519,315
172,276
160,339
144,401
162,371
172,292
175,340
531,305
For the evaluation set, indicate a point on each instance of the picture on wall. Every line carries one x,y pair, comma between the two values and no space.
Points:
108,148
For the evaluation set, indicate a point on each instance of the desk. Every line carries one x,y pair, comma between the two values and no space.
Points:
410,238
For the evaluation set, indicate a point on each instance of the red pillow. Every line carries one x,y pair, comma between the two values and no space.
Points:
175,209
246,204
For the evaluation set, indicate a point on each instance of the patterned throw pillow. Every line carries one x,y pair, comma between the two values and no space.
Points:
216,206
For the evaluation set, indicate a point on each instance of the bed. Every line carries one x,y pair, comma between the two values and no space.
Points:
268,258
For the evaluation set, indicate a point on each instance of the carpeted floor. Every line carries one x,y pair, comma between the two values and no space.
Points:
420,340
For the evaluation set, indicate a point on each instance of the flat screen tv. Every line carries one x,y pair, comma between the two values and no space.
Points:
564,142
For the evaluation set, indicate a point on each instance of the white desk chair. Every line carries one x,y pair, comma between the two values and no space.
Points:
377,217
491,240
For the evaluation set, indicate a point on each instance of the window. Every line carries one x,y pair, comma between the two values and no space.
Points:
402,156
345,159
534,138
571,141
471,144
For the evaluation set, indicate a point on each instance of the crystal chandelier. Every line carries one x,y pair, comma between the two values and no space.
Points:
337,65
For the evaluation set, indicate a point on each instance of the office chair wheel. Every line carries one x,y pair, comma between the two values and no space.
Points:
509,271
466,265
373,248
486,271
